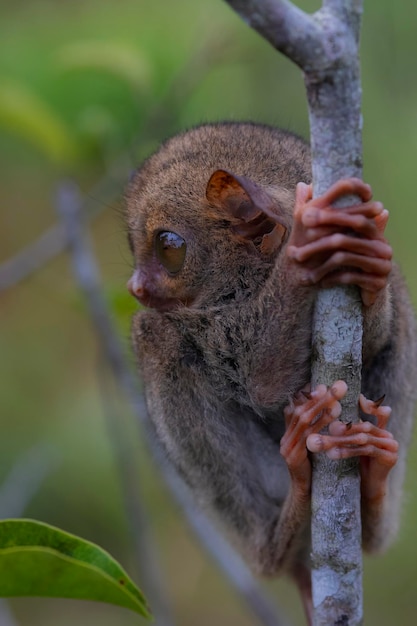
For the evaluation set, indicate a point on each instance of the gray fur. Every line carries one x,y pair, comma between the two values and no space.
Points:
218,373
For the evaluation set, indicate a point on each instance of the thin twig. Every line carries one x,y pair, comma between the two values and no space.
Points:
25,479
88,279
53,241
147,558
20,485
6,616
69,207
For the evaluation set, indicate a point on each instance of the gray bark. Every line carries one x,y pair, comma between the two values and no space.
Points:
325,46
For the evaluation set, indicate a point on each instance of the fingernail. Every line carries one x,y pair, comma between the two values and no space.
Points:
379,401
305,278
314,443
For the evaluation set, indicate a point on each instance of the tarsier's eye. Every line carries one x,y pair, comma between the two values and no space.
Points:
170,250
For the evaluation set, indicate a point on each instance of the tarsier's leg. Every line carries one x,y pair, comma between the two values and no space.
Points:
307,414
331,246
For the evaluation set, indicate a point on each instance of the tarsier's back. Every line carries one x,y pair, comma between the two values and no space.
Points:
229,270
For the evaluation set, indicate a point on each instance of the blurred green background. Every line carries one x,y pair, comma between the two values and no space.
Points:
87,89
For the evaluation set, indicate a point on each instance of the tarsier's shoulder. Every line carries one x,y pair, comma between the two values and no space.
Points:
149,336
142,324
165,337
149,328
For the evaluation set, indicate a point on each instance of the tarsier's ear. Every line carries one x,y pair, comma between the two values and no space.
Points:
249,208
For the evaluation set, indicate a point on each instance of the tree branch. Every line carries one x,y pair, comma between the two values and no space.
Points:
70,210
325,45
25,478
6,616
87,277
51,242
290,30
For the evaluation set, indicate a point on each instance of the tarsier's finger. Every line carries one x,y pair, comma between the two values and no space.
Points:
381,221
303,194
304,394
316,216
308,235
370,407
300,404
368,283
318,232
368,266
344,187
360,223
326,417
340,241
368,297
339,429
370,209
384,457
355,443
381,448
301,417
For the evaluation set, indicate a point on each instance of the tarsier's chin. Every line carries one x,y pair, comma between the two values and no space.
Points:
229,253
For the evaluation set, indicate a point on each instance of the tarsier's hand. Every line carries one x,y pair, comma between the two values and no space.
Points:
376,447
307,414
331,246
310,411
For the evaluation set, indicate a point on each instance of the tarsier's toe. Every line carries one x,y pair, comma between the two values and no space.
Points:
361,439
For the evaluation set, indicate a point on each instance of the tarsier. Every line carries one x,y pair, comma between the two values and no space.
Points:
230,250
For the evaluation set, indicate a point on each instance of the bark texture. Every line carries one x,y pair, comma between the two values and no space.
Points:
325,46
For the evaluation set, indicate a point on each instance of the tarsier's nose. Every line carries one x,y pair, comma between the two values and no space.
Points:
135,285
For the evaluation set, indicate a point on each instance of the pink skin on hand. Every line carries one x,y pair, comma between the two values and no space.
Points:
331,246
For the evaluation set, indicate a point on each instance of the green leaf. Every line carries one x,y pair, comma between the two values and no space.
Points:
113,58
37,559
25,114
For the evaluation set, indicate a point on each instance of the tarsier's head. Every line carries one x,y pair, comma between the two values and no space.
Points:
208,213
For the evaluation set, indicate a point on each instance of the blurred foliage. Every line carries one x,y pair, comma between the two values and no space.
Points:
87,90
26,115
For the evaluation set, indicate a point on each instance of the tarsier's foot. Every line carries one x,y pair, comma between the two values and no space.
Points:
376,447
308,413
340,246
